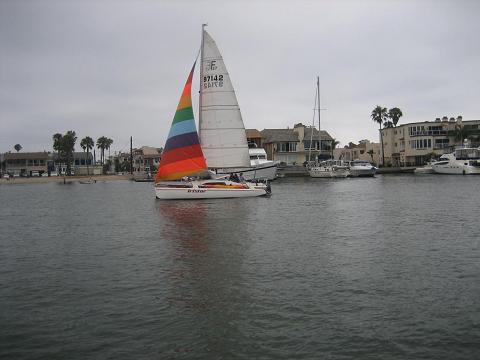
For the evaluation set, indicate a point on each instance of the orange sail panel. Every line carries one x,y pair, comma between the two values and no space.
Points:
182,155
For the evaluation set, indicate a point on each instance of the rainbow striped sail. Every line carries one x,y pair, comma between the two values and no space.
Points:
182,155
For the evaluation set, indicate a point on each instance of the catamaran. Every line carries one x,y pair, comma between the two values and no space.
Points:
188,157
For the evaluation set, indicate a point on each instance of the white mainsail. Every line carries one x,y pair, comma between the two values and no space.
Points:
222,132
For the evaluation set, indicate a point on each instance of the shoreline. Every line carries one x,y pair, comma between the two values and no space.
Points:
60,179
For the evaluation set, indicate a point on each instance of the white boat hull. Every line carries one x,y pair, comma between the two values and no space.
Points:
320,172
197,190
424,170
456,169
362,172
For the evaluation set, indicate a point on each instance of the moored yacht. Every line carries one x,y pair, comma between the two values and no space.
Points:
260,168
463,161
329,169
361,168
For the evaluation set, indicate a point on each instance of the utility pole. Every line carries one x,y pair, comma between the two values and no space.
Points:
131,156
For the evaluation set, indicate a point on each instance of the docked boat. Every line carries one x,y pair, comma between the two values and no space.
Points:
260,168
220,144
463,161
329,169
361,168
88,182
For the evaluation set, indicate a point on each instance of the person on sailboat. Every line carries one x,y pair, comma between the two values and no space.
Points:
241,178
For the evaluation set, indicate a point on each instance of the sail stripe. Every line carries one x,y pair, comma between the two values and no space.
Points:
182,155
185,153
182,141
183,114
177,170
183,127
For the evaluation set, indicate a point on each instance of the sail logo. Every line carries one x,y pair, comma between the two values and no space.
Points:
211,65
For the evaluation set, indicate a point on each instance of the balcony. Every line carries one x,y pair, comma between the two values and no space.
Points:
429,133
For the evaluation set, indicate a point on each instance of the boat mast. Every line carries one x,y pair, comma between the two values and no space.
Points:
319,136
313,127
201,78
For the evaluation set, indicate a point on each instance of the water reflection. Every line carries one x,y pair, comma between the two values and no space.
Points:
205,279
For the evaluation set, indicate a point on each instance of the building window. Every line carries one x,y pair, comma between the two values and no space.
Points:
287,146
310,145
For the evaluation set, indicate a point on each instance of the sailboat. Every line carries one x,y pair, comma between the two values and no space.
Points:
185,169
329,168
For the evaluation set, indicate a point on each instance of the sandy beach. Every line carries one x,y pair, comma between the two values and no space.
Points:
42,179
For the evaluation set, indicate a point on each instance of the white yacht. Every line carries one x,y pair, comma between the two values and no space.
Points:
260,168
463,161
329,169
361,168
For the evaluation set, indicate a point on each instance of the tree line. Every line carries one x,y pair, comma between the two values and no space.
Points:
64,145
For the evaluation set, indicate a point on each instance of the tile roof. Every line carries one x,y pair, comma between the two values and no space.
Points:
27,156
253,133
281,135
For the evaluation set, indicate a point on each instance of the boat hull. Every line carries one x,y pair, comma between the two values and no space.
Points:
424,170
362,172
199,190
316,172
454,169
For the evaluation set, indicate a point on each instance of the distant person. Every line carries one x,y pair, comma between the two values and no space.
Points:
241,178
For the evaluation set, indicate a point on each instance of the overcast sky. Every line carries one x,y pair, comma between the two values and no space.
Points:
117,68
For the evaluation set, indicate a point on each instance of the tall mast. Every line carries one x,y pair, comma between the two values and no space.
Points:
319,135
201,81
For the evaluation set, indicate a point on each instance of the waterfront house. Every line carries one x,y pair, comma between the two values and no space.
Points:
26,163
413,144
254,137
364,150
83,164
145,159
297,145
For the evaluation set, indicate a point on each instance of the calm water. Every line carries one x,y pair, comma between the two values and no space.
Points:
382,268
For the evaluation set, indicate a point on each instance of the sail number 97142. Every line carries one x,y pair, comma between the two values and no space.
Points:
213,78
212,81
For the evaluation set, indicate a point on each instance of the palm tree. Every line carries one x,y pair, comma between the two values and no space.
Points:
102,145
460,133
379,115
333,145
388,124
65,145
18,147
109,143
370,152
87,144
395,114
69,140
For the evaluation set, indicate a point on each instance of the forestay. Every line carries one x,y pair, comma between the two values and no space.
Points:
222,132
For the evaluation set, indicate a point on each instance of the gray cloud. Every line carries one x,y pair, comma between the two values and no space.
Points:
117,68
